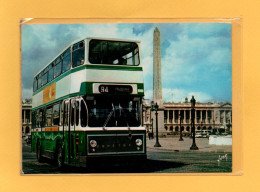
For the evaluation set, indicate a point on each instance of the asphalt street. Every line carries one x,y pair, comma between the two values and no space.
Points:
158,161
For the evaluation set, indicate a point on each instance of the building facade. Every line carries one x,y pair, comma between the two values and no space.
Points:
26,117
215,118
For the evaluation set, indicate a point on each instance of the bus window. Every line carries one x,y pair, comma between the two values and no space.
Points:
57,67
61,113
40,80
83,114
114,112
35,84
66,61
66,113
40,118
48,116
45,76
56,114
78,51
77,113
51,72
113,52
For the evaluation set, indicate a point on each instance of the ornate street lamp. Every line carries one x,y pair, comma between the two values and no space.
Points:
181,139
193,102
155,108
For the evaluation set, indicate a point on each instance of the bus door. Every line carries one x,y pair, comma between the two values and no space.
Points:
74,123
66,124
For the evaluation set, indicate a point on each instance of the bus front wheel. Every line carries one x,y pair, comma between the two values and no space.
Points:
59,156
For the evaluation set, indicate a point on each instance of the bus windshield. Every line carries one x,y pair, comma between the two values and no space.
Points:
114,112
113,52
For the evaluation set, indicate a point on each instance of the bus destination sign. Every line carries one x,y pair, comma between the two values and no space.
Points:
113,89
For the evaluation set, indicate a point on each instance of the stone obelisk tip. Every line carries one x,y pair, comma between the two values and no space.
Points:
156,29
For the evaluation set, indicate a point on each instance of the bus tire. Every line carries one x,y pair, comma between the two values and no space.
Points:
59,156
39,152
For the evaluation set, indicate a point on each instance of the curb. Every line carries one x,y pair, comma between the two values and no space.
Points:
188,150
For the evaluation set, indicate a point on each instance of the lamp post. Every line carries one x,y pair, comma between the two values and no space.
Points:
231,123
193,102
217,130
155,108
228,132
214,130
152,127
181,139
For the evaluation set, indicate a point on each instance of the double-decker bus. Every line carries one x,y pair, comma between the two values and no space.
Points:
87,104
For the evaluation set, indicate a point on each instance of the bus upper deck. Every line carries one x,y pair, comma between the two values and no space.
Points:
85,66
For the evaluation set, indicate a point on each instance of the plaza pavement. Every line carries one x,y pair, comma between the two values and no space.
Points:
173,144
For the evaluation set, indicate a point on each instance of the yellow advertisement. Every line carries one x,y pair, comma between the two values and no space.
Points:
49,93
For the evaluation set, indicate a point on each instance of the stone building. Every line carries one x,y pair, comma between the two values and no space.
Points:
215,118
26,117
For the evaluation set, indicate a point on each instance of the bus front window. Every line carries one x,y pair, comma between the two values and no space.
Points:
114,112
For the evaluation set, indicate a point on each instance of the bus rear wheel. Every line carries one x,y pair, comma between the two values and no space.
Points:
59,157
39,152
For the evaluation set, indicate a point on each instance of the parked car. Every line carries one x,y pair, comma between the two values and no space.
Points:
202,134
28,139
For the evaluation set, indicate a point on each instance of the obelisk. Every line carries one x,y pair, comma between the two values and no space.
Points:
157,79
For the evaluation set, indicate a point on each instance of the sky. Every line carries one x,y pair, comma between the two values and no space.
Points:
195,57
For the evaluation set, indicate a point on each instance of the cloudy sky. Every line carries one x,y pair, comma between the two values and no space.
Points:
196,57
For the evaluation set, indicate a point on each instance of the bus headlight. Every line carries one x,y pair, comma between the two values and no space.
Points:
138,142
93,143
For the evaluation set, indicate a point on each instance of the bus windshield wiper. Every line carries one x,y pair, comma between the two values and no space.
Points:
109,116
122,110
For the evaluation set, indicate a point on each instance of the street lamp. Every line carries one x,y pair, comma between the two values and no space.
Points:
214,129
228,131
152,127
193,102
181,139
155,108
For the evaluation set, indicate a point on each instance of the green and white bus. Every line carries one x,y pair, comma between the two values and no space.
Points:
87,104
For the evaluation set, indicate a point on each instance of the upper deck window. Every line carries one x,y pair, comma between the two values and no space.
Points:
113,53
35,83
51,72
40,80
45,76
57,67
66,60
78,51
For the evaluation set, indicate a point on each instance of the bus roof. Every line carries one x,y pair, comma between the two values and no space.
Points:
88,38
113,39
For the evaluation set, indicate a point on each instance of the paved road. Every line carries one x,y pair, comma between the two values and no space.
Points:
158,162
